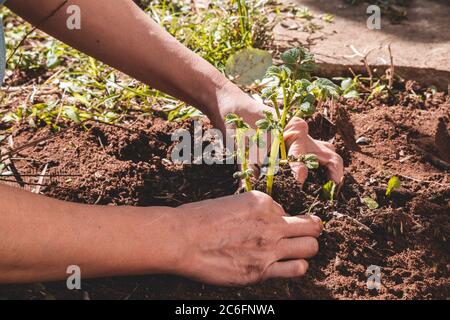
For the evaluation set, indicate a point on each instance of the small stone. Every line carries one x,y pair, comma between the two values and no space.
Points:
338,263
363,140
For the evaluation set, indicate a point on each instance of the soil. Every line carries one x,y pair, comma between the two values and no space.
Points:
406,236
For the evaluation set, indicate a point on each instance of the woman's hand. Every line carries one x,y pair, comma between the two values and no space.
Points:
299,142
244,239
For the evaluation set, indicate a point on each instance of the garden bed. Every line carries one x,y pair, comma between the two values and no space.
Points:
406,236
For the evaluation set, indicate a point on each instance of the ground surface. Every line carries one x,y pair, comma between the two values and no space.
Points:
407,236
420,42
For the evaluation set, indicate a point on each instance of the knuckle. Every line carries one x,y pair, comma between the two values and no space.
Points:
300,125
253,273
263,198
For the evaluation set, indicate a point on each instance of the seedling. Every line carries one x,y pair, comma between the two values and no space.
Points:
290,84
329,190
394,183
291,92
242,149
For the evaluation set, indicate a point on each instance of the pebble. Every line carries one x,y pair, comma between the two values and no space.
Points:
363,140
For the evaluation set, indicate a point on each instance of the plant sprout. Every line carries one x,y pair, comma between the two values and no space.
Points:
328,190
242,149
394,183
290,84
291,92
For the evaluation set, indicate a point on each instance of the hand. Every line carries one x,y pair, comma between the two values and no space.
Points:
299,142
244,239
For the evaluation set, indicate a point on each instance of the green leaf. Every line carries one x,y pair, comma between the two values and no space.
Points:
232,118
262,124
248,65
394,183
269,92
346,83
328,190
273,71
324,88
72,114
291,56
351,94
307,108
372,204
82,99
238,175
311,161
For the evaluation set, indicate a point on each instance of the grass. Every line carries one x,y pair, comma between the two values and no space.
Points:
49,82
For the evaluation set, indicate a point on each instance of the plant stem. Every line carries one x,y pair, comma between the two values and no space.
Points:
242,154
272,162
276,107
243,17
283,123
248,184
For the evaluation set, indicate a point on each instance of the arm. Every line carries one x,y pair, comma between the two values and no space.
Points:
123,36
40,237
229,241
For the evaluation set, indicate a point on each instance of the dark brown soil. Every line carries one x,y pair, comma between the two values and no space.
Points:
407,236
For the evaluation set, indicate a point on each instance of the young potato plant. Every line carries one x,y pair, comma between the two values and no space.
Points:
242,152
292,92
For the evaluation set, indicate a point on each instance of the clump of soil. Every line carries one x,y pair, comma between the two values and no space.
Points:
406,236
295,197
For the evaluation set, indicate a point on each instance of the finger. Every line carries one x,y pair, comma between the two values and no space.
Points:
336,169
302,226
286,269
296,129
297,248
300,171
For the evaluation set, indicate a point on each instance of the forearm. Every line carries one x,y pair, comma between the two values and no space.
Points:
123,36
40,237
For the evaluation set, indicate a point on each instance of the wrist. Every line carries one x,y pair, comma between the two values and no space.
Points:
151,243
234,100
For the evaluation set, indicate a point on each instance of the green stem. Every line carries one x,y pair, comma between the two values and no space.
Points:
276,107
242,154
248,184
243,17
272,162
283,123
